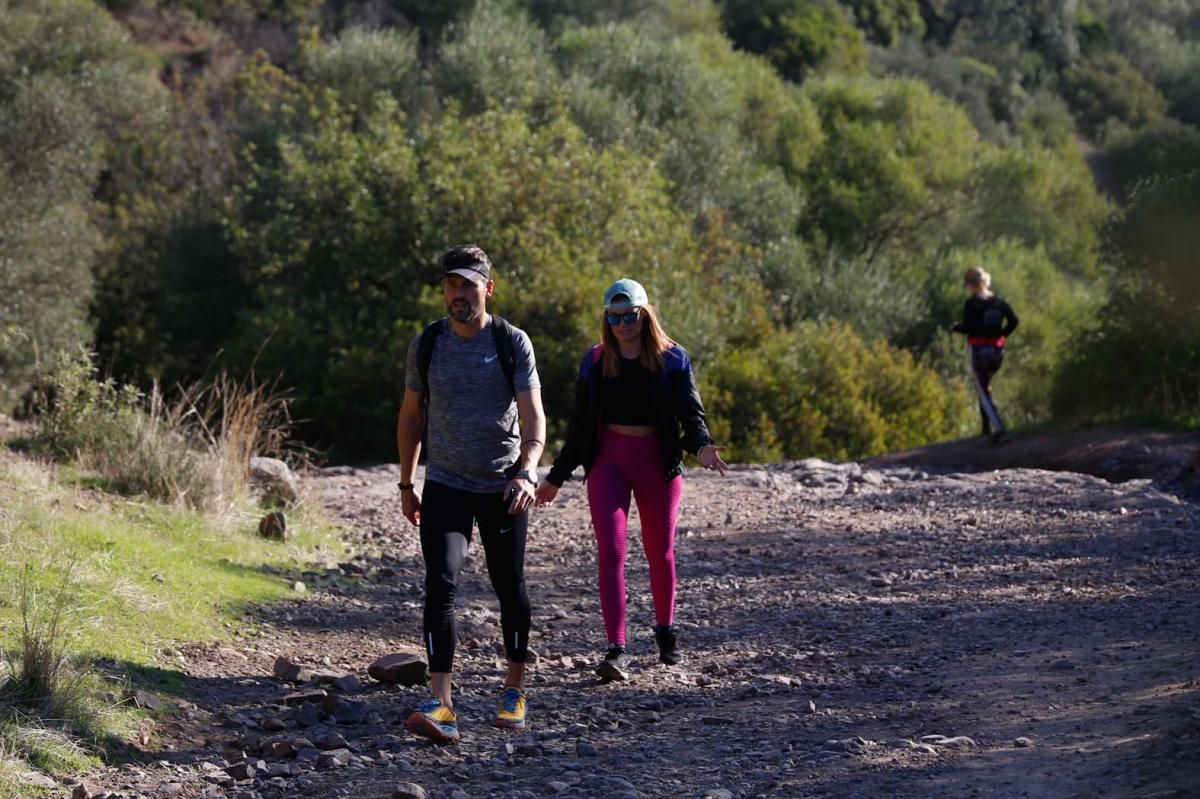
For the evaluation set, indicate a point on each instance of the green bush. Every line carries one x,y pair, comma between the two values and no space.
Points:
821,390
1142,355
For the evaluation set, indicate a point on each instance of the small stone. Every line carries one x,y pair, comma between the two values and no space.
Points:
1022,742
717,793
144,699
716,720
1064,664
240,771
585,749
348,684
334,758
333,740
308,715
274,527
312,695
299,587
288,671
344,711
408,790
400,668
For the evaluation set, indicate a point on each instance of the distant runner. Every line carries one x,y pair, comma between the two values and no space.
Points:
635,394
987,321
472,384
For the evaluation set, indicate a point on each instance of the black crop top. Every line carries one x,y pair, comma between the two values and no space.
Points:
626,398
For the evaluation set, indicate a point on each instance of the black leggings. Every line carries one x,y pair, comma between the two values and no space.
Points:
447,515
985,362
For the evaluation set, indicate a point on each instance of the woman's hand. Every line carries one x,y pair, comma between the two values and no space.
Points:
546,493
710,458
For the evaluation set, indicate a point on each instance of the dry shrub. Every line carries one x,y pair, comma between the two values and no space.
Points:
193,449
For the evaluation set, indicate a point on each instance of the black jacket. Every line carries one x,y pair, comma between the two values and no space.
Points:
677,409
986,318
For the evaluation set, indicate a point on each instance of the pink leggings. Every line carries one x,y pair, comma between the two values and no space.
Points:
633,464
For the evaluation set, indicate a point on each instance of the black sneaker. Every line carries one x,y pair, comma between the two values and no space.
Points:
668,644
615,665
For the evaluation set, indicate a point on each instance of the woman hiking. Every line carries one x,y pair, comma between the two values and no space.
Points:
637,411
987,321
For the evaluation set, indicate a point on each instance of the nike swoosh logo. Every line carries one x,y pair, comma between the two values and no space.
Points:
489,360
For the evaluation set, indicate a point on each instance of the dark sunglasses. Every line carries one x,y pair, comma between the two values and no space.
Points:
629,318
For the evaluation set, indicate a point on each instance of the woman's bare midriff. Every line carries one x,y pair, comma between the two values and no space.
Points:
640,430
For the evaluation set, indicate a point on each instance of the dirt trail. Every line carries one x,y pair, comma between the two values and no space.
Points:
849,632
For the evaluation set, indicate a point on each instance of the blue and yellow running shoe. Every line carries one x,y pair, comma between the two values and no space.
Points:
435,721
511,713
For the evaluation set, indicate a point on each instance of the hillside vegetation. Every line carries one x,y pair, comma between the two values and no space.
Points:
232,184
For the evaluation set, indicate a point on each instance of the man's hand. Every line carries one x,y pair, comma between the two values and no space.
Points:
519,493
546,493
410,504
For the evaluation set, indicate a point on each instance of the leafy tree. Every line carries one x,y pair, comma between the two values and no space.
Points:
70,81
1166,148
893,165
362,66
887,21
799,37
1044,197
495,56
1105,88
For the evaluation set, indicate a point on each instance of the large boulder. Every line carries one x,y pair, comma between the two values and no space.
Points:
273,482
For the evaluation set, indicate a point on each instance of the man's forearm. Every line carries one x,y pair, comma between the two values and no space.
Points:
531,453
408,442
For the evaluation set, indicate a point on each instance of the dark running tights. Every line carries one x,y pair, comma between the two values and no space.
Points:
985,362
447,516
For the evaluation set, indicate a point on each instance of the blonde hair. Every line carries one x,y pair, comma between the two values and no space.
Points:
655,342
977,276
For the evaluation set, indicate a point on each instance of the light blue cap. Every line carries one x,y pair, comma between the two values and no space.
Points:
626,293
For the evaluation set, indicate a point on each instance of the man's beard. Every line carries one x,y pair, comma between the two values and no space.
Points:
464,311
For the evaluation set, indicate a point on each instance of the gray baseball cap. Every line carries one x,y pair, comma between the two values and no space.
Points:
626,293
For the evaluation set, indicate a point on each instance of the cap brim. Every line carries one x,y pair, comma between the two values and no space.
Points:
469,274
620,306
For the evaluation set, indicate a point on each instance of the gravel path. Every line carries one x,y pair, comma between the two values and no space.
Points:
848,632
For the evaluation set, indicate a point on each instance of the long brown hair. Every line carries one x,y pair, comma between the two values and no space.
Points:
655,342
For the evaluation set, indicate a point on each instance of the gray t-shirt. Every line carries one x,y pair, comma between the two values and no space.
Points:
474,436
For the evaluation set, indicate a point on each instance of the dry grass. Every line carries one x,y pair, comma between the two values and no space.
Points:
192,449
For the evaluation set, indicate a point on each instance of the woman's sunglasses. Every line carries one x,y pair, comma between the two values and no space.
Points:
629,318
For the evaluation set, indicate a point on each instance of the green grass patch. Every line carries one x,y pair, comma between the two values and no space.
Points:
98,590
145,574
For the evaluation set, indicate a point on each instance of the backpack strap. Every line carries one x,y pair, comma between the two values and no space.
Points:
505,336
425,351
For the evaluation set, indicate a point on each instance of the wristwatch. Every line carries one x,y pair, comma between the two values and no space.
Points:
529,475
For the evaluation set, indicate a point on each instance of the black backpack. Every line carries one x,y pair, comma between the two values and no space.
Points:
506,349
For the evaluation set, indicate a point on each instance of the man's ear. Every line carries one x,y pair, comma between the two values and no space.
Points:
489,288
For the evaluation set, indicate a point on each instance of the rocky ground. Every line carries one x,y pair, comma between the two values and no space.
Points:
849,631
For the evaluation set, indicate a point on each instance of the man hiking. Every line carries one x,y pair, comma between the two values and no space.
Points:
472,391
